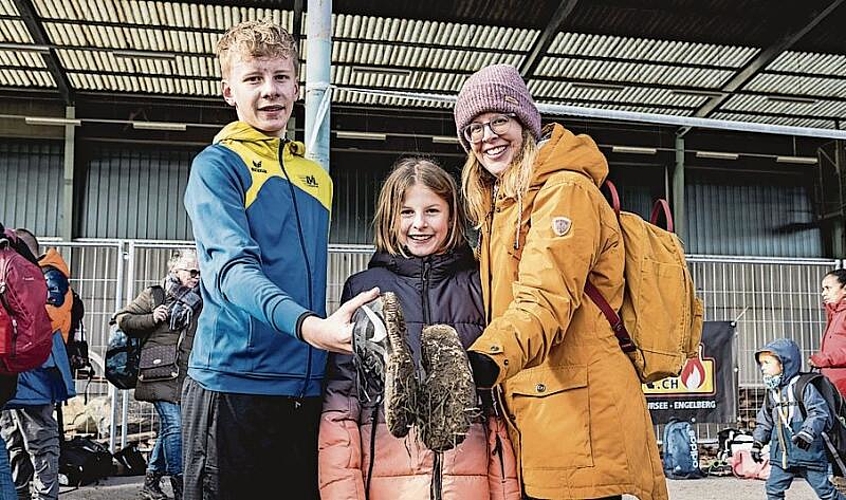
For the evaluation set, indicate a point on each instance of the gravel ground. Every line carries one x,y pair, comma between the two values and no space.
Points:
724,488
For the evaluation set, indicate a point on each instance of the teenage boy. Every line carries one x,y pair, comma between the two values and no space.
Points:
260,212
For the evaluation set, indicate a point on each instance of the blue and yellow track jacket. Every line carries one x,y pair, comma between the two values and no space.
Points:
260,213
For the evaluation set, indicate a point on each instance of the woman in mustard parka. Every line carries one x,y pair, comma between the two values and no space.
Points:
576,412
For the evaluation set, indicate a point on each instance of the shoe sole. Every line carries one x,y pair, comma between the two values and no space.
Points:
447,399
400,377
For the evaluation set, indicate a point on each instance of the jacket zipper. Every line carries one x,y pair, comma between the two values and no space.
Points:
425,278
281,148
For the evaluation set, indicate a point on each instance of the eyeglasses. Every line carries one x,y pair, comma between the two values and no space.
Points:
194,273
498,125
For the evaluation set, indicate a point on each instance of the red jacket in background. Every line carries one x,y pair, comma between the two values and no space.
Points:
832,355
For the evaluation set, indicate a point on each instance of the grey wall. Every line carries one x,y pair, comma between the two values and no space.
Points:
31,185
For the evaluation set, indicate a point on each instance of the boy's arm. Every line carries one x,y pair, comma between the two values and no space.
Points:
763,423
817,419
214,200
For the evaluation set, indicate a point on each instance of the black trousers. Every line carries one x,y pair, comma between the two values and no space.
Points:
240,446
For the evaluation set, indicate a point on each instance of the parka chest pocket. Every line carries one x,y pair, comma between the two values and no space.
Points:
551,409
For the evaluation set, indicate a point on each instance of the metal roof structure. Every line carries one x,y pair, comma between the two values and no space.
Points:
765,61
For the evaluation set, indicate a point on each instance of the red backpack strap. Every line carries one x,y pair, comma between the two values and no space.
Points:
615,198
613,318
661,205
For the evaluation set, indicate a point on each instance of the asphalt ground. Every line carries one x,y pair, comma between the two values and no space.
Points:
712,488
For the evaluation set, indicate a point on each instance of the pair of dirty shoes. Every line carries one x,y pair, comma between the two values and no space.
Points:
440,399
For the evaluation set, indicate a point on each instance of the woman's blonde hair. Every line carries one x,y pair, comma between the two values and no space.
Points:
514,182
408,172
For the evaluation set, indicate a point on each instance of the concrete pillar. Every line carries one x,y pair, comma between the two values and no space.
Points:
66,224
678,189
318,95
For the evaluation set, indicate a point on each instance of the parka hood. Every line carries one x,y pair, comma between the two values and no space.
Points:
788,353
54,259
560,149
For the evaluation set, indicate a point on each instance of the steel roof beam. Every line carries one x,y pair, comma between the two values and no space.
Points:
764,58
545,39
51,59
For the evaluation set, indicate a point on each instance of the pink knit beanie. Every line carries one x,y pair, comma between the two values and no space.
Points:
497,88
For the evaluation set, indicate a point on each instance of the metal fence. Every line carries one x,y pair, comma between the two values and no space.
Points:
768,298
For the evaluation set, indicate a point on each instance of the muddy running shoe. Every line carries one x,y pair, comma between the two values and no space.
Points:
400,378
447,397
370,350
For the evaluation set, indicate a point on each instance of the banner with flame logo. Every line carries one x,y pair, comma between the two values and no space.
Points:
705,389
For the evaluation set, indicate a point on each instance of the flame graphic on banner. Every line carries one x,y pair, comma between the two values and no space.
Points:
693,373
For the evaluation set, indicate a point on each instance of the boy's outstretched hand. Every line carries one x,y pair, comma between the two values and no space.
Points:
334,333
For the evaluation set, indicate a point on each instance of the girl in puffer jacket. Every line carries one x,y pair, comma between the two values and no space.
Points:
422,257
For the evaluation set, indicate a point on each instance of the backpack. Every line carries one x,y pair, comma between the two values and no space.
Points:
123,354
26,333
659,325
835,437
681,451
83,461
77,345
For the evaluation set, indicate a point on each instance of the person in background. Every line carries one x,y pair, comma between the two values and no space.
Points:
27,423
579,420
423,258
165,317
796,443
831,358
260,213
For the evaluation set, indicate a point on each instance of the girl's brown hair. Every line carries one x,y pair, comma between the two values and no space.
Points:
408,172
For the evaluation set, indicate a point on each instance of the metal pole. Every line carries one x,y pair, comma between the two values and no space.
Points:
66,227
319,30
130,289
678,189
119,280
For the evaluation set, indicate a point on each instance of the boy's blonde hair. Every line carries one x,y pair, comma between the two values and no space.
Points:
250,39
408,172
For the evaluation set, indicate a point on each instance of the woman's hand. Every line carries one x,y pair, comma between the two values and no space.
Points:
160,314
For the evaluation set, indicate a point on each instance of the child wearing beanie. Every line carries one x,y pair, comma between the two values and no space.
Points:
544,230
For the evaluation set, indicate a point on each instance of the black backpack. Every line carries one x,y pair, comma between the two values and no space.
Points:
123,354
83,461
834,438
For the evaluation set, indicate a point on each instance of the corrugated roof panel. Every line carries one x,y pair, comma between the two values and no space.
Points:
643,95
404,56
804,62
431,32
18,58
26,78
217,17
798,85
772,120
611,71
14,31
348,97
8,8
759,103
651,50
146,84
131,38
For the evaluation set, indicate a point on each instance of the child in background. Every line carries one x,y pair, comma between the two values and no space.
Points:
796,445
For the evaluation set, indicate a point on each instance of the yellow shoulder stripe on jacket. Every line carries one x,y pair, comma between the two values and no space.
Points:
262,162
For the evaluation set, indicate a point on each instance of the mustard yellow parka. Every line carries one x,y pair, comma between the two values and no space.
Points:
578,418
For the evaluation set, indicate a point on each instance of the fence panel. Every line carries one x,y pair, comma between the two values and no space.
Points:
768,298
